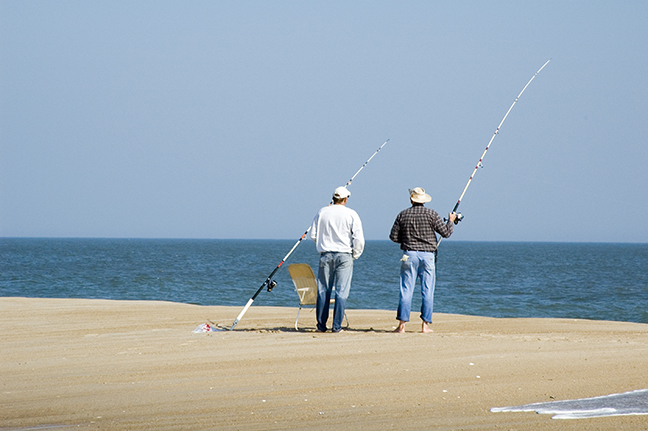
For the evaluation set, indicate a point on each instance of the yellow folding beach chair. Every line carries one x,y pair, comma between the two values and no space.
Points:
306,287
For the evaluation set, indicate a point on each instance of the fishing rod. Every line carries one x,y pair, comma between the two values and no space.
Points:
269,282
479,163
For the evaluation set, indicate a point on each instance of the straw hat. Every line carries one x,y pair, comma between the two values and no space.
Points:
419,196
341,193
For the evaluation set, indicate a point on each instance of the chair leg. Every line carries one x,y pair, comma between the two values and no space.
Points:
297,319
347,320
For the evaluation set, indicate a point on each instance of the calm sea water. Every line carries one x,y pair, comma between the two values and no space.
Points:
586,281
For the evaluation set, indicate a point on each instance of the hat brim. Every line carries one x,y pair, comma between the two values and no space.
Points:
421,198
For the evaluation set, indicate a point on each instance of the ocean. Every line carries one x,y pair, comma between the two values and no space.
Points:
495,279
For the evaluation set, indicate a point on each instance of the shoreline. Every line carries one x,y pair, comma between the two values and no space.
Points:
129,365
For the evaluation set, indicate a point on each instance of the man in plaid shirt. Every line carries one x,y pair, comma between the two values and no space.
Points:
414,229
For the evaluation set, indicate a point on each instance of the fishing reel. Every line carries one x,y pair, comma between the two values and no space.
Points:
457,219
271,285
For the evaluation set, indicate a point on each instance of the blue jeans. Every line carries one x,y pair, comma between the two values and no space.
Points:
417,264
335,271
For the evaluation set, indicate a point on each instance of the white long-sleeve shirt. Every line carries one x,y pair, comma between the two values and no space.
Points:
339,229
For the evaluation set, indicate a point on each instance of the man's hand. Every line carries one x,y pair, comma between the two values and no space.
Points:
452,217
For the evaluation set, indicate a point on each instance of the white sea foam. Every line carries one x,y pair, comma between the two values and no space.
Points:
628,403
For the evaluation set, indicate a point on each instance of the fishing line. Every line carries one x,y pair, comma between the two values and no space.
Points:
269,282
479,163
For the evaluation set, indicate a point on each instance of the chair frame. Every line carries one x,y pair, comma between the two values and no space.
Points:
302,291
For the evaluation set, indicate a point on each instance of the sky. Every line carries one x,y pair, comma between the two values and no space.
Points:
238,119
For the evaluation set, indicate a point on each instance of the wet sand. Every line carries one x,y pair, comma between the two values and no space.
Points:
137,365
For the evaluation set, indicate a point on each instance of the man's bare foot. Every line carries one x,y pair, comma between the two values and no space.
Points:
401,328
425,328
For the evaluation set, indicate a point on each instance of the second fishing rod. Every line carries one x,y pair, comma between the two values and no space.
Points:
269,283
479,163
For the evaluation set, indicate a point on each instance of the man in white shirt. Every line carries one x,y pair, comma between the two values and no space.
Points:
337,232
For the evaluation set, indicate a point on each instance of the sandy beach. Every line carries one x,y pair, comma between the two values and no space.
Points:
137,365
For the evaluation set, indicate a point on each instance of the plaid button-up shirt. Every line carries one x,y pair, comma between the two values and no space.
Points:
415,227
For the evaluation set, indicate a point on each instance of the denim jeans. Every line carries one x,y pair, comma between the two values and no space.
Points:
335,271
416,264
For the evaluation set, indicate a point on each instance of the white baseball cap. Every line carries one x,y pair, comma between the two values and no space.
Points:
341,193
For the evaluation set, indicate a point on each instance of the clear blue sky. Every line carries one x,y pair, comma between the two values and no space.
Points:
213,119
